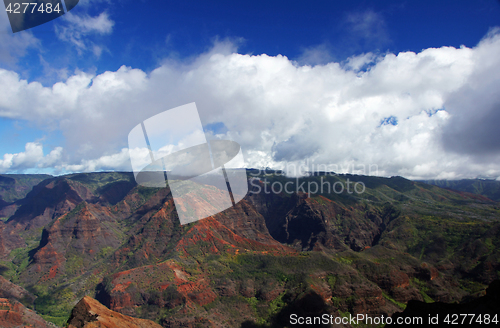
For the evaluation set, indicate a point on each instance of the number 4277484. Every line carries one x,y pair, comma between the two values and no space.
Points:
468,319
32,7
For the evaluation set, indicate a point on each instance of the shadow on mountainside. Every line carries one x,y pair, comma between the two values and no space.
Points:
309,305
445,314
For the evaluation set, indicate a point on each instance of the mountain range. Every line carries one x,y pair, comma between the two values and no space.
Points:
72,243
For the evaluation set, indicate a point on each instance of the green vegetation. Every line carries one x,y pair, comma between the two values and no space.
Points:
422,287
54,307
402,306
16,186
59,321
366,242
74,264
74,212
20,260
98,181
488,188
105,252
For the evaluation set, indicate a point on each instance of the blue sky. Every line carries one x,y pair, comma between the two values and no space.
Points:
146,32
69,86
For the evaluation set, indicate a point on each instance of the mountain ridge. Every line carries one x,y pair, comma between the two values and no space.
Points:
100,234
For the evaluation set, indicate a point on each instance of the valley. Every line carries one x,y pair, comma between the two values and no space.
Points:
102,236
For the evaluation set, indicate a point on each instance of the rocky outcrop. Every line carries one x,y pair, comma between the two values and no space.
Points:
13,314
13,291
89,313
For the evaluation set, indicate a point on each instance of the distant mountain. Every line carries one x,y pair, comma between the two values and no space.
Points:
15,186
368,247
488,188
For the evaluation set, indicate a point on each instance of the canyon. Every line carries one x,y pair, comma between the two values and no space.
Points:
101,239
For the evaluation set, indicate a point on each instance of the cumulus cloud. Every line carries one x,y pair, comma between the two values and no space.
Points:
32,157
406,114
119,162
473,129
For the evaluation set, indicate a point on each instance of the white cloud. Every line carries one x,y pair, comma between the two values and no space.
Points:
119,162
13,46
365,29
318,55
88,3
368,24
360,62
280,111
79,27
476,104
87,24
30,158
97,50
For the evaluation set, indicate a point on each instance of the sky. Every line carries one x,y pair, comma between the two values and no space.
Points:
407,88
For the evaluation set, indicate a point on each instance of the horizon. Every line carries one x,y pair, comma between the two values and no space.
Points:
262,170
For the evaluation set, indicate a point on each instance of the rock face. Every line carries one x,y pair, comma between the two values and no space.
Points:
318,223
9,240
13,291
13,314
361,253
78,235
89,313
167,284
48,200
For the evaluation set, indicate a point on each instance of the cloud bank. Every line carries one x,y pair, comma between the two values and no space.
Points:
31,158
430,114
